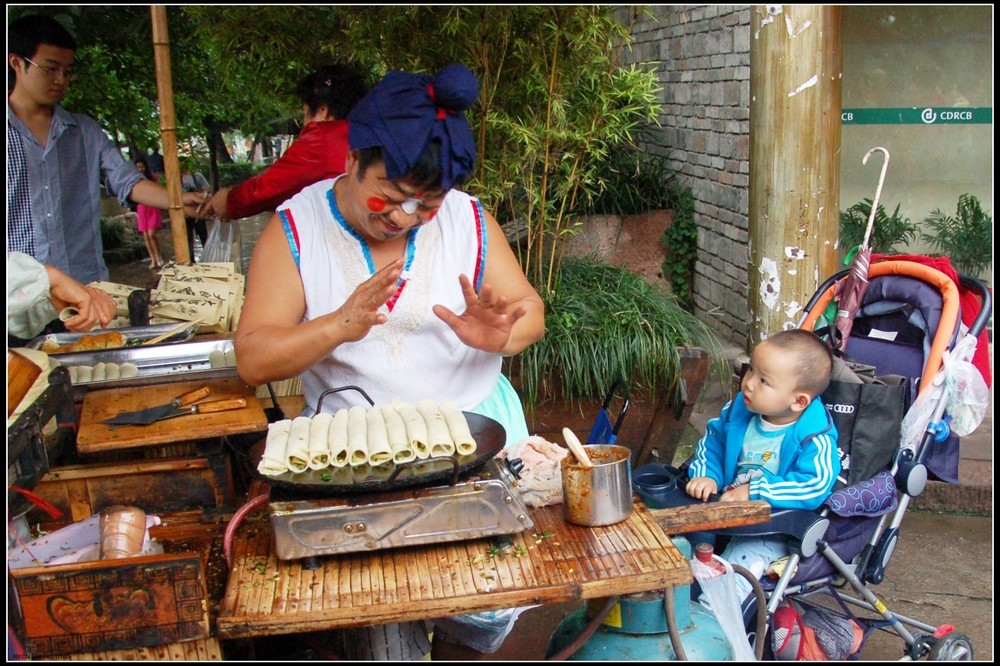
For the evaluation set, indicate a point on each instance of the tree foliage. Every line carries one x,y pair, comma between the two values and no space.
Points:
553,97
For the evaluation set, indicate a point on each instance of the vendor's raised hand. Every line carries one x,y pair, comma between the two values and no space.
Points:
486,323
361,309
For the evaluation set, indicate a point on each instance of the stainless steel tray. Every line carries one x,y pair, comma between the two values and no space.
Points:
159,364
134,335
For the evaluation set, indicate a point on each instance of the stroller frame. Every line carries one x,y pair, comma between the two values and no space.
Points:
807,530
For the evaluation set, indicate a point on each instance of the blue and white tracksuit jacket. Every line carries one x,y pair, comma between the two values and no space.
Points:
808,462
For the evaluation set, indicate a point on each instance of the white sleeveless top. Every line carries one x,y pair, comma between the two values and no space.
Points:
414,355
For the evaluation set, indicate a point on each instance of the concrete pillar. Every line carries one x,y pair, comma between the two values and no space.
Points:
795,100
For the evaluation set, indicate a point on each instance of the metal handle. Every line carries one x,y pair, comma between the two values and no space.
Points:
219,406
186,399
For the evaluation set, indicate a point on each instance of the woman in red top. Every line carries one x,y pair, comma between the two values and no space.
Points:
318,153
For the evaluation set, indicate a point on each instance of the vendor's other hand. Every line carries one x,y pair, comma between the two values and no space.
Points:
740,493
93,305
486,323
217,206
701,487
360,311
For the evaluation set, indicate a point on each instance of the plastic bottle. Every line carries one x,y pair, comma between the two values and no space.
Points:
703,553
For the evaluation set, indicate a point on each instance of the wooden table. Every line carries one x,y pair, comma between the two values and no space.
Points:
558,563
96,437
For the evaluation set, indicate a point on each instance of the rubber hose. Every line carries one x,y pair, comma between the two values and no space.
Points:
675,635
758,591
587,632
234,523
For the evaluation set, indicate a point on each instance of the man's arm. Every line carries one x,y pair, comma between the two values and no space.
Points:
155,195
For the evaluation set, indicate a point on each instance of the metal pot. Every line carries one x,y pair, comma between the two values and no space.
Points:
602,494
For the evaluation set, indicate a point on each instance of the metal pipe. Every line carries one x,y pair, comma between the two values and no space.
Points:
587,632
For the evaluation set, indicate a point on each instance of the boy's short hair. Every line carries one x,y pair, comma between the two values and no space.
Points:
28,32
814,360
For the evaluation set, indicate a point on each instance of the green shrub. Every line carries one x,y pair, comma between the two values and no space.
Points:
888,232
603,322
964,238
630,182
112,233
234,173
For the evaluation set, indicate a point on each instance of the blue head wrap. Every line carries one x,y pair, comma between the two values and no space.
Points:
404,111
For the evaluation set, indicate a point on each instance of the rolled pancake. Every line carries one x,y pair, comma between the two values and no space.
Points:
398,441
337,440
438,436
416,429
74,374
129,370
272,462
85,373
319,447
297,450
357,436
112,371
379,451
458,428
100,372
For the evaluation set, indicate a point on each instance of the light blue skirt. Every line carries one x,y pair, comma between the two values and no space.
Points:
504,406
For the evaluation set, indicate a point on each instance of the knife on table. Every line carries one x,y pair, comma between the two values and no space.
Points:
198,408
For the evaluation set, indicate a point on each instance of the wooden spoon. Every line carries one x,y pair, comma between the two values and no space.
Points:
577,448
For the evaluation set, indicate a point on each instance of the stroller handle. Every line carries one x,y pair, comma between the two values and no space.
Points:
946,332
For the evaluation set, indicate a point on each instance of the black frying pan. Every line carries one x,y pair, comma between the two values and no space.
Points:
490,438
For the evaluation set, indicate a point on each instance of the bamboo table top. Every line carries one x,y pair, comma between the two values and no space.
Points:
554,562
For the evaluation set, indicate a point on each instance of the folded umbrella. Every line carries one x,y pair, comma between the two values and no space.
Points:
850,291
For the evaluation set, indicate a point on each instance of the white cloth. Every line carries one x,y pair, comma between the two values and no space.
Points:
414,355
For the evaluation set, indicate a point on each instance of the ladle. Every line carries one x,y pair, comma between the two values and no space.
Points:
577,448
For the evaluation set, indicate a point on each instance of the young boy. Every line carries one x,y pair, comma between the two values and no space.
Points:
775,441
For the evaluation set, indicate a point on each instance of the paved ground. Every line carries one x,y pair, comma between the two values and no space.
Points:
941,572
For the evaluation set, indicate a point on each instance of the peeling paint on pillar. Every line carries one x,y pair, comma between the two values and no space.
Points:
770,283
808,84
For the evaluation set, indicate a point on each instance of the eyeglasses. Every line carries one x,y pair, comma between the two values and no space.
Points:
410,205
53,72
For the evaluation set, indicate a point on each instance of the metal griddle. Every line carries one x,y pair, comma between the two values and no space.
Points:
439,500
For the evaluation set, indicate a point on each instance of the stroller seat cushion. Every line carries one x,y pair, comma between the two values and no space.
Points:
873,497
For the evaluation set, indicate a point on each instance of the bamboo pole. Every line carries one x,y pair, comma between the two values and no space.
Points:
168,132
795,89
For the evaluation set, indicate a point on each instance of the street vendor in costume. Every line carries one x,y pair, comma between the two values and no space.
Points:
391,279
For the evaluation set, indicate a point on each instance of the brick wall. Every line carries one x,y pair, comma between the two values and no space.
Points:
702,56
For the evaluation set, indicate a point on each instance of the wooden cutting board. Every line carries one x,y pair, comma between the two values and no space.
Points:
95,437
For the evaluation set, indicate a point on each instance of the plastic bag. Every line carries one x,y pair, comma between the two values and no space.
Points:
724,602
219,246
963,389
968,395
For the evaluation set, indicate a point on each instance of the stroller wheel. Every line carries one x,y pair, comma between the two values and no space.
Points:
952,647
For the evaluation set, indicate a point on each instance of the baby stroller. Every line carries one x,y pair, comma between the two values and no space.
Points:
908,326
